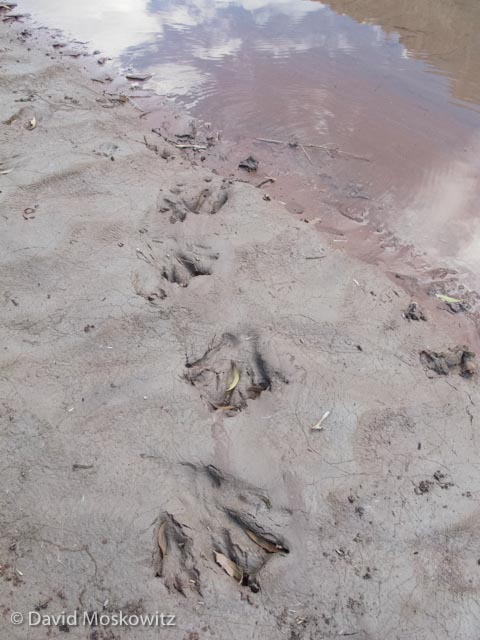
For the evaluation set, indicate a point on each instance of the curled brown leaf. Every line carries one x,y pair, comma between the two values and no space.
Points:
229,566
162,539
264,543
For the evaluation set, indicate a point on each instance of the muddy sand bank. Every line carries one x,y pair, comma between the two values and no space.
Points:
169,339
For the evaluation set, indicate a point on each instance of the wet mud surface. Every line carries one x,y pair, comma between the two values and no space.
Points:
207,409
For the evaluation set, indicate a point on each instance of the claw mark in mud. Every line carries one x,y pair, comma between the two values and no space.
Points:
183,262
185,265
173,557
248,564
178,210
267,541
232,488
209,200
243,539
216,475
263,380
230,531
146,283
211,373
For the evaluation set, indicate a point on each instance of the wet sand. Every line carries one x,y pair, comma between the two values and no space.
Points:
189,371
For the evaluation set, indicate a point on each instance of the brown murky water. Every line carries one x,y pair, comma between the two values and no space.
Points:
389,90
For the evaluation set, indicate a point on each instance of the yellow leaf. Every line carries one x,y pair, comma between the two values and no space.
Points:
445,298
32,124
235,377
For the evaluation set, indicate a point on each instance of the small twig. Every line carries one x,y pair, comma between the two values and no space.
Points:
326,147
318,425
271,141
335,149
191,146
305,152
353,156
329,148
264,182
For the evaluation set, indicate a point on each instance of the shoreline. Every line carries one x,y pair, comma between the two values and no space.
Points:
371,239
190,375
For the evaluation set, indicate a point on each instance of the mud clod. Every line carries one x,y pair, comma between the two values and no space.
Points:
423,486
413,312
250,164
459,359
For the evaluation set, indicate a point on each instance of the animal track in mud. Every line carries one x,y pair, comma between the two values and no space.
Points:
447,558
227,534
208,200
146,283
184,265
181,262
231,371
173,557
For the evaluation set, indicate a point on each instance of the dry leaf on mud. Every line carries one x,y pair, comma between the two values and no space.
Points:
32,124
162,539
229,566
267,545
318,425
235,377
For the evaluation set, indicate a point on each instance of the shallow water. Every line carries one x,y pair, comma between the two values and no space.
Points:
393,84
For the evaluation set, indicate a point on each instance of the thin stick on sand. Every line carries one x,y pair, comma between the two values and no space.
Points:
329,148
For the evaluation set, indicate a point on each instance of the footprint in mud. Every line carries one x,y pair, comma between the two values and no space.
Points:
243,560
185,264
173,557
146,281
207,200
179,263
231,371
447,563
226,533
